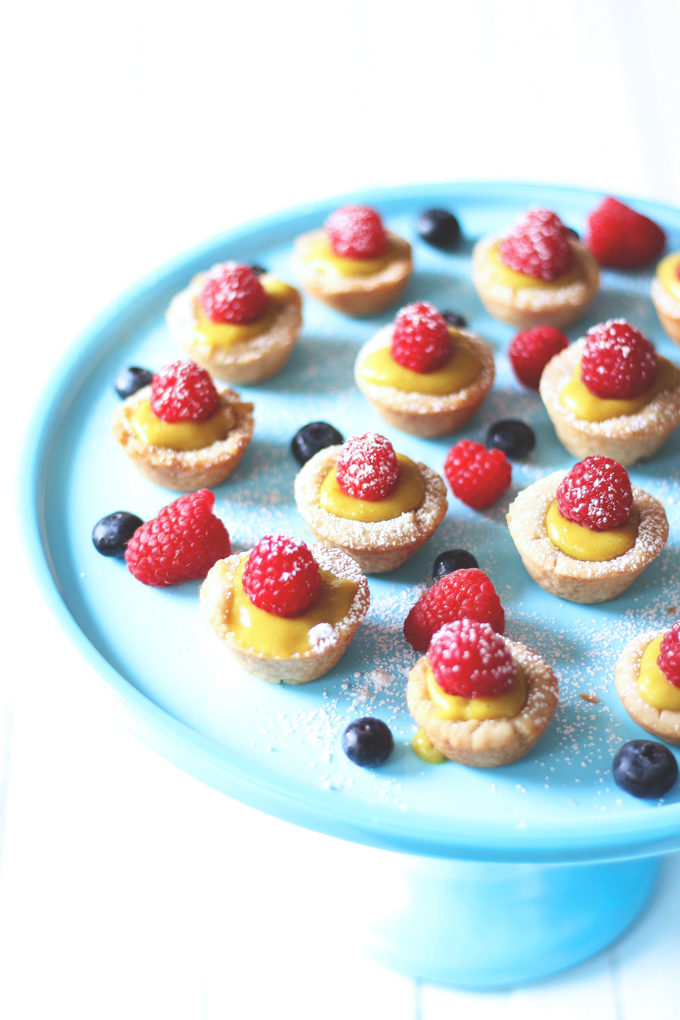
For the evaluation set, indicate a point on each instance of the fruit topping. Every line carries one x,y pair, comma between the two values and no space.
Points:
232,293
455,320
530,351
356,232
596,494
514,437
440,228
669,655
645,768
368,742
451,560
620,237
112,533
181,544
421,340
618,362
538,246
367,466
470,659
281,576
131,379
465,593
477,476
258,270
182,391
311,438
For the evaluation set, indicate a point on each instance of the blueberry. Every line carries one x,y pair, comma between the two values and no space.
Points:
311,438
573,234
368,742
454,319
258,270
452,559
131,379
645,768
515,438
111,534
440,228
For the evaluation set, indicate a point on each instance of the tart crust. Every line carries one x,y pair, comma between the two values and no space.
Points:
355,295
583,581
422,414
246,361
525,307
186,470
668,310
486,743
378,547
215,596
664,723
628,438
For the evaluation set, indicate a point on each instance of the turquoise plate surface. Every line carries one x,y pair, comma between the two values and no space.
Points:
278,748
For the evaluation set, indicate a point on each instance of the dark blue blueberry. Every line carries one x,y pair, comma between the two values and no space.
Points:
111,534
452,559
456,320
131,379
440,228
311,438
645,768
259,270
514,437
573,234
368,742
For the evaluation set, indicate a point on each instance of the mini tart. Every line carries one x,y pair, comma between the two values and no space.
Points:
422,414
582,581
186,470
664,723
324,653
626,439
354,295
539,303
667,299
486,743
245,361
378,547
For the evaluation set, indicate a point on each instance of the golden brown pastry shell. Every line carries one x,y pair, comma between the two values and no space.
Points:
663,723
668,310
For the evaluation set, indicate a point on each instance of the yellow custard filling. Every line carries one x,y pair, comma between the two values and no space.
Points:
320,256
406,495
585,544
182,435
451,706
653,686
426,750
667,274
282,637
518,281
578,399
460,370
226,334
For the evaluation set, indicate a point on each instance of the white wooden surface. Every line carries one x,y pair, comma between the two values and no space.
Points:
135,130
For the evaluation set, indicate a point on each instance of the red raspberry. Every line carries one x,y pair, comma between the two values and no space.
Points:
596,494
538,245
281,576
181,544
182,391
469,659
421,340
477,476
618,361
463,593
620,237
356,232
367,466
669,655
531,350
233,293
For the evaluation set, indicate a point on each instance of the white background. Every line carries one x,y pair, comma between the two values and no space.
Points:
133,131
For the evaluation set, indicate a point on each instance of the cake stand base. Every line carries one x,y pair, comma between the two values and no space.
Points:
484,926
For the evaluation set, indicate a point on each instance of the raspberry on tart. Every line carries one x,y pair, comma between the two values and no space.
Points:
353,499
666,295
647,680
477,476
536,274
530,351
423,375
286,612
353,263
240,325
622,238
180,431
464,593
